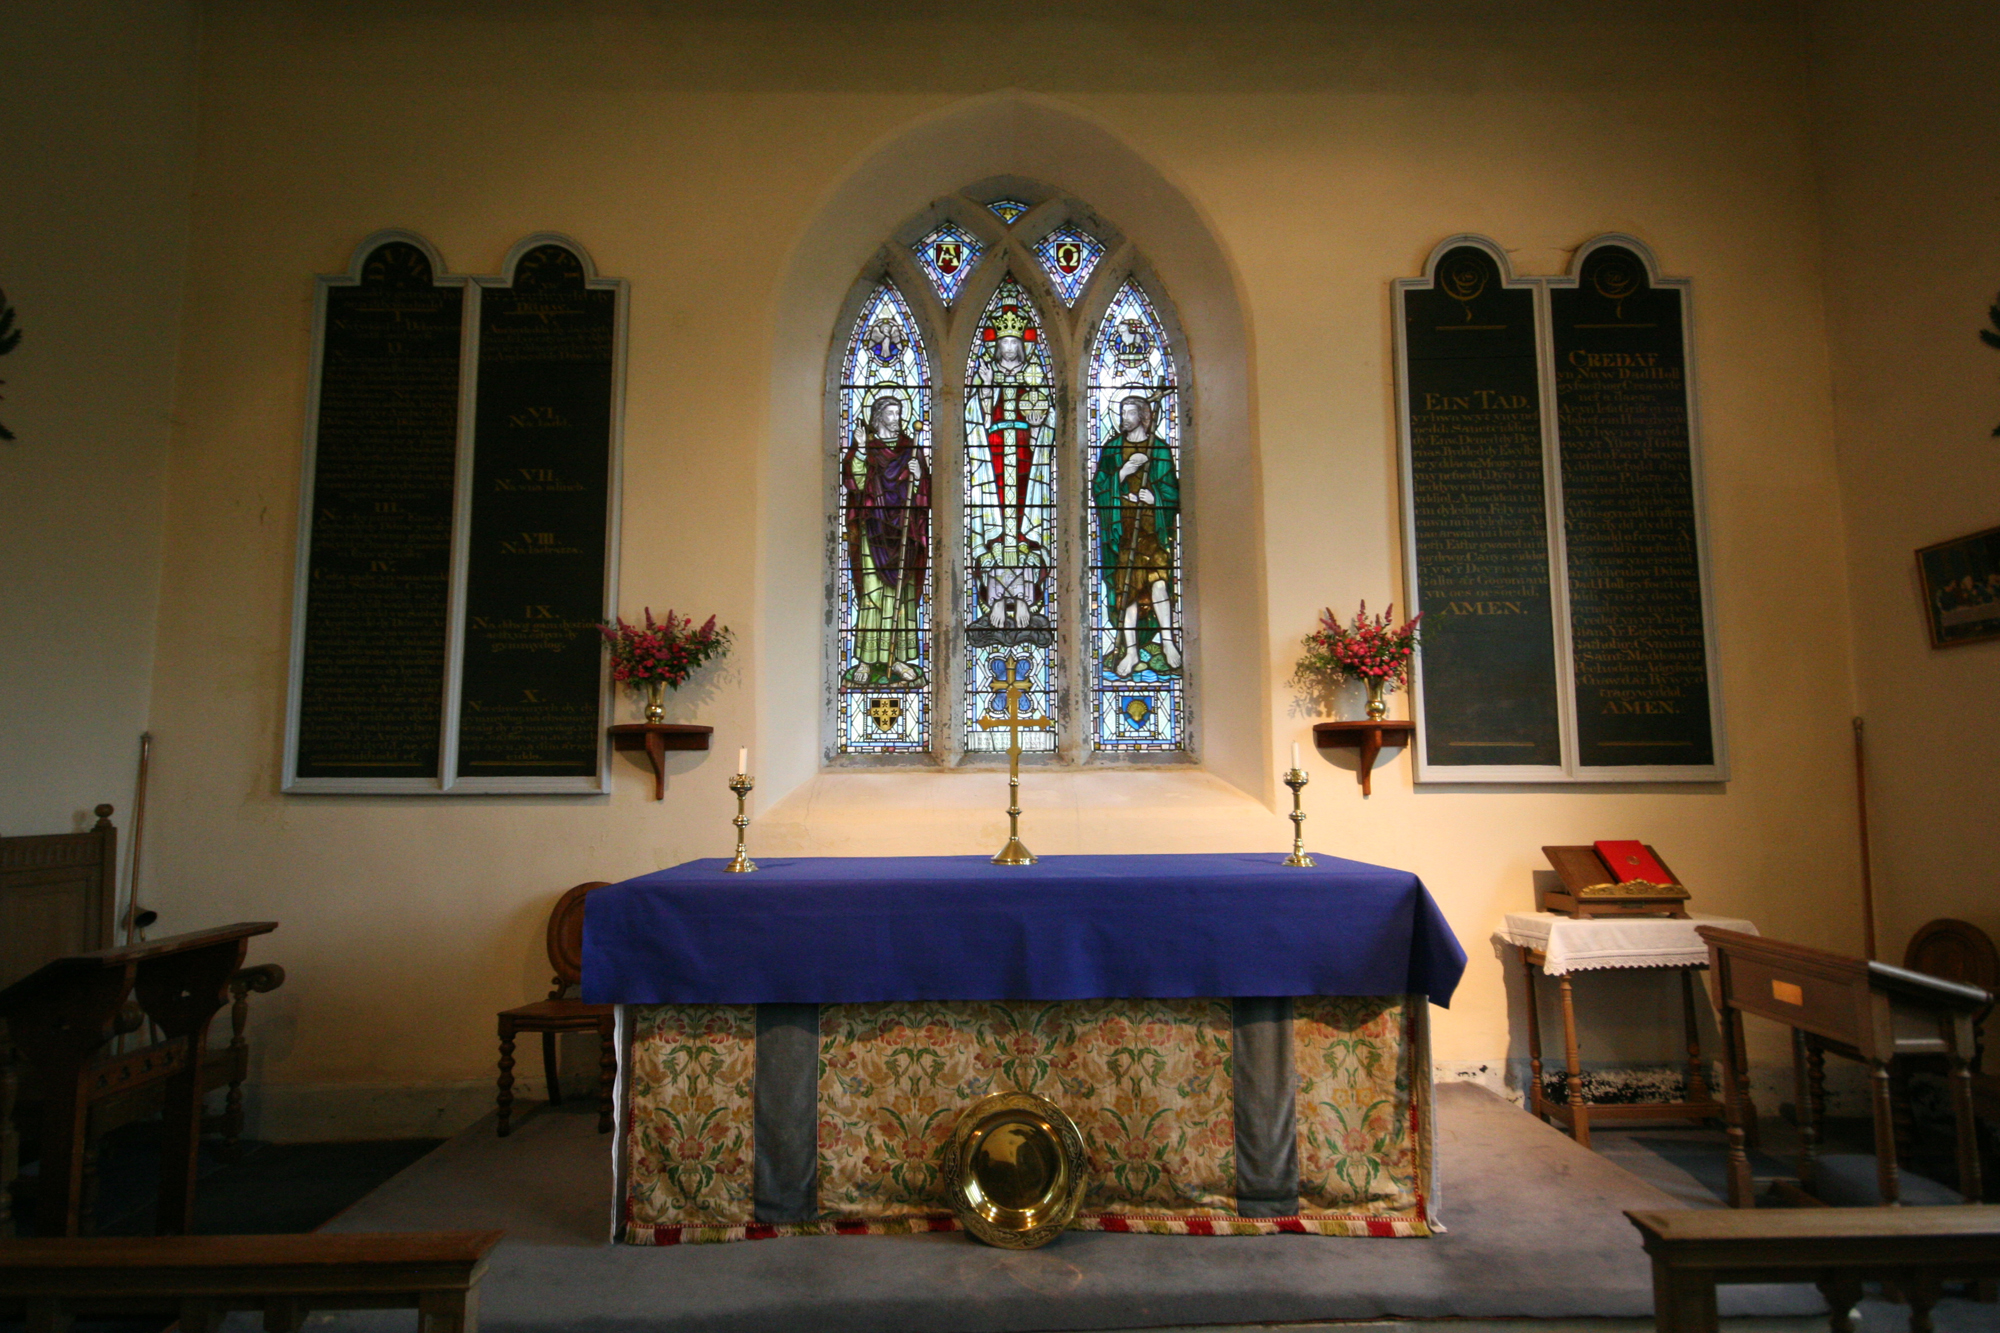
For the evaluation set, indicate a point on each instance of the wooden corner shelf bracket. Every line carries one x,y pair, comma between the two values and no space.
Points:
656,738
1367,737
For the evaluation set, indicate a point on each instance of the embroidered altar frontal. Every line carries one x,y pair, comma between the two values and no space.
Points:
1199,1116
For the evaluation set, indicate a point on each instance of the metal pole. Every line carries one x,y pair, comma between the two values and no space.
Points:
132,923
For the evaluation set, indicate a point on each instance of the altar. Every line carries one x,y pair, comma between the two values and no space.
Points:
1243,1044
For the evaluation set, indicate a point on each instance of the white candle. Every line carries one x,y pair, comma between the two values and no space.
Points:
742,760
1295,754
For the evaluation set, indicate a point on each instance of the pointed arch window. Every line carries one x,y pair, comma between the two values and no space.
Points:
1133,530
1011,519
1028,523
884,589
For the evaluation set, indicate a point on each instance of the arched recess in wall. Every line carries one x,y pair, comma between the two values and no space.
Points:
1010,134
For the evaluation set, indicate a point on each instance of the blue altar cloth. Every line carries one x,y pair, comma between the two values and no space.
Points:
851,930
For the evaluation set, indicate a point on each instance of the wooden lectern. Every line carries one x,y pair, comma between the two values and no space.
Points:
1862,1010
61,1016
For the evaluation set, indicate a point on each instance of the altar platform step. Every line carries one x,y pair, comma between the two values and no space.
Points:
1537,1232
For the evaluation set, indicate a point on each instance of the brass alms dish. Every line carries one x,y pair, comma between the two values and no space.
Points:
1015,1170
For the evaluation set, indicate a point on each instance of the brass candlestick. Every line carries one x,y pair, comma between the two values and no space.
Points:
1296,779
741,784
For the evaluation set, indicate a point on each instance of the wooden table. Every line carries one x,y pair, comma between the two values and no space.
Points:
1862,1010
1678,942
1837,1249
198,1279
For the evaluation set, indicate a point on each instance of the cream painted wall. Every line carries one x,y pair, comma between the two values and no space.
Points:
1278,163
1909,136
96,155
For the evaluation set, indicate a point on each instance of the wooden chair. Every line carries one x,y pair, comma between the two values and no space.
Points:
1955,951
559,1013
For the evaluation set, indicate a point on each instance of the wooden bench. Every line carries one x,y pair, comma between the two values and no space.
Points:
1914,1250
198,1279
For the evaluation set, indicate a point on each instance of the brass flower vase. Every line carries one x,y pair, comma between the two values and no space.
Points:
656,701
1378,707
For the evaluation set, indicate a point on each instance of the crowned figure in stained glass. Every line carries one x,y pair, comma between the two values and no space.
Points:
1009,504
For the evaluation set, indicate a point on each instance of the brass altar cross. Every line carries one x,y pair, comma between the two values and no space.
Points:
1014,853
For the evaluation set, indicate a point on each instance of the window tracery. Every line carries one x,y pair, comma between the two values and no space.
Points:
1047,482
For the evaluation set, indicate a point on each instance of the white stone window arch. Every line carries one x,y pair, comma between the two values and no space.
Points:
1009,408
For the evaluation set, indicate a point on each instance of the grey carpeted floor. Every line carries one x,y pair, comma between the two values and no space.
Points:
1535,1230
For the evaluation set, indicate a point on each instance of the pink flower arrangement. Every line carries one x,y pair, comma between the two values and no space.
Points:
1372,648
662,650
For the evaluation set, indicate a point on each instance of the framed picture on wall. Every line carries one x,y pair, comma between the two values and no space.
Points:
1961,580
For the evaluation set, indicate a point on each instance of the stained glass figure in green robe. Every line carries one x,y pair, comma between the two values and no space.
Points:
1137,494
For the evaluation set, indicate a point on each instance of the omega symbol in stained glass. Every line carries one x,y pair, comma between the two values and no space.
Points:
1009,494
1007,209
883,612
1133,587
948,255
1069,256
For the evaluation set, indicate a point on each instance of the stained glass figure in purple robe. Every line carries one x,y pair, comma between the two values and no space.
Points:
884,470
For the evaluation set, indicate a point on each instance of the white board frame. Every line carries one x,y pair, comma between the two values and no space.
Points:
447,781
1571,771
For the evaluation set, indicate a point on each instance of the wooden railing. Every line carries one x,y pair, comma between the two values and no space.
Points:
198,1279
1914,1251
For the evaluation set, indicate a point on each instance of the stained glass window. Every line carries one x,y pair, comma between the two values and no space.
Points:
948,257
1133,587
1069,255
1011,547
1059,563
884,600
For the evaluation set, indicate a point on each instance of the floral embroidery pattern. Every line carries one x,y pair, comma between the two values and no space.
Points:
1150,1085
892,1079
1354,1060
689,1151
1148,1082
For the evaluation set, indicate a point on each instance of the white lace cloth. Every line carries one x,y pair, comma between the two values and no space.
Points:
1579,946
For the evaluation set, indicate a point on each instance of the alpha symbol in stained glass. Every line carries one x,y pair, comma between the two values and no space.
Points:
1069,256
948,256
1007,209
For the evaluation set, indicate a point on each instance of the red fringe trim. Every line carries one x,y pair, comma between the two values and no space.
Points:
1349,1224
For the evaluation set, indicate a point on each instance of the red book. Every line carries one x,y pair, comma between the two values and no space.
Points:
1630,860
